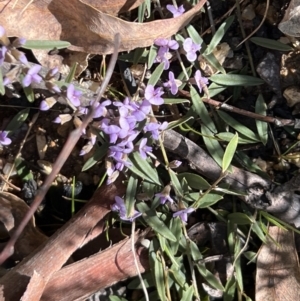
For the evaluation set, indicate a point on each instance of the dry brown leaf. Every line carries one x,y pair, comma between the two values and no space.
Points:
278,275
41,143
86,28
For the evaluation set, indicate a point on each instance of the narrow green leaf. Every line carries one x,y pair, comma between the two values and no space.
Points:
240,218
178,122
117,298
29,93
230,288
271,44
176,229
153,221
2,88
194,35
237,268
205,200
131,191
229,152
71,74
18,120
227,136
23,171
194,181
159,279
219,34
236,80
187,294
238,126
152,55
208,128
215,89
138,53
45,44
176,183
99,153
262,127
156,75
211,279
214,62
173,101
143,168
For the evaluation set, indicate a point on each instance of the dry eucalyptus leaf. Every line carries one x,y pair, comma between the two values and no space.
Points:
290,24
86,28
278,275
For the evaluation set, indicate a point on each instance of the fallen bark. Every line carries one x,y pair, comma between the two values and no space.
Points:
53,254
83,278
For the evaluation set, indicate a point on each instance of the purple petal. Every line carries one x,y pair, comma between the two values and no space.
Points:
26,81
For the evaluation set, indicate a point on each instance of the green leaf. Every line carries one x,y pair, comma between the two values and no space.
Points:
194,181
238,126
29,93
99,153
259,232
236,80
227,136
230,288
153,221
217,37
205,200
262,127
214,62
176,229
22,170
18,120
210,278
71,74
187,294
208,128
238,269
240,218
173,101
131,190
45,44
194,35
271,44
229,152
178,122
159,278
143,168
152,55
117,298
215,89
176,183
2,88
156,75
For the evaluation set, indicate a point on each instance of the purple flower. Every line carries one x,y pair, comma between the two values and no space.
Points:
119,206
165,195
32,76
3,50
163,53
101,109
191,48
154,95
155,128
3,138
18,42
200,80
183,214
175,11
144,148
73,95
48,103
171,83
141,110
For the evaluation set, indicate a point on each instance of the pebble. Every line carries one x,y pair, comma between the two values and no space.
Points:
269,71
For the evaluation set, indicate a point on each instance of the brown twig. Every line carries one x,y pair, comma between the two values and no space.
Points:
63,156
223,106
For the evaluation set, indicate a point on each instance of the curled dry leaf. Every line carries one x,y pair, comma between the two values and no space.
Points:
86,28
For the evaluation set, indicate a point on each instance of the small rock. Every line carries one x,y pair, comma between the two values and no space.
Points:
248,13
269,71
292,95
